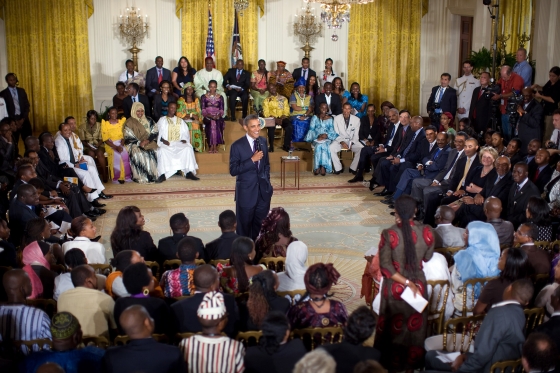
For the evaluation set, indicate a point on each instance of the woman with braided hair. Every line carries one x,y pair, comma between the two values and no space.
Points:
275,235
401,330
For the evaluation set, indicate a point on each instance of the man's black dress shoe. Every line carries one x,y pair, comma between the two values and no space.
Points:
356,179
383,193
161,179
105,196
191,176
96,203
388,201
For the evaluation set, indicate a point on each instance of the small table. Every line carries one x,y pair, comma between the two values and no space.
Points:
295,161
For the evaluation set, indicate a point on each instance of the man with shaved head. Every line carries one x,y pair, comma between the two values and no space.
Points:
142,353
445,234
504,229
205,279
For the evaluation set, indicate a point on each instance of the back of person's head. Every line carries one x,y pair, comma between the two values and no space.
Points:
261,290
241,248
369,366
178,221
320,277
50,368
316,361
136,278
34,230
212,310
276,222
74,257
78,225
66,331
227,220
187,249
37,183
360,326
539,211
517,264
205,277
522,290
81,274
275,327
136,322
126,229
539,354
122,260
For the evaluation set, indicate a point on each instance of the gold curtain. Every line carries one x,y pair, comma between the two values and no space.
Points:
384,49
515,18
47,47
194,28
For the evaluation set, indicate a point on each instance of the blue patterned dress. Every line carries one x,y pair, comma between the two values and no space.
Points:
322,155
300,125
357,104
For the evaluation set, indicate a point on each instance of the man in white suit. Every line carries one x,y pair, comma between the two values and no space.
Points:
347,126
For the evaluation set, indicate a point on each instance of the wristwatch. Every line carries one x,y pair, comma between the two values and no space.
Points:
406,283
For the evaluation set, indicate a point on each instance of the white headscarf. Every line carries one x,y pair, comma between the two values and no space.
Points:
296,257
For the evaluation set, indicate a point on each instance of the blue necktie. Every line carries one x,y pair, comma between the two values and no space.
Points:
436,154
441,90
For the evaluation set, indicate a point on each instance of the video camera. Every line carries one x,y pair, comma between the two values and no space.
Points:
492,89
435,114
511,107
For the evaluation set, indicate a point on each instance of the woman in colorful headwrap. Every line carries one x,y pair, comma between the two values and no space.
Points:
188,109
275,235
259,86
212,104
283,79
140,139
37,261
357,100
302,110
112,134
318,311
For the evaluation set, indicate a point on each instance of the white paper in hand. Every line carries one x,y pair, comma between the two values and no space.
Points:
418,303
447,357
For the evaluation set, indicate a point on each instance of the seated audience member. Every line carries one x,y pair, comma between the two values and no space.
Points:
540,353
347,126
275,234
275,353
551,327
542,173
180,226
513,265
369,366
206,279
89,133
302,106
498,143
276,106
162,100
294,268
437,269
84,232
184,73
478,260
521,190
235,278
551,192
369,129
129,73
37,261
360,326
544,298
142,353
188,109
19,322
6,149
318,310
114,285
513,151
139,282
128,234
117,155
60,215
525,236
465,126
212,106
553,145
134,95
66,337
179,282
119,97
22,211
504,228
316,361
499,338
262,299
282,79
445,234
529,158
497,185
175,151
92,308
321,134
333,101
240,78
220,248
357,100
8,255
63,282
210,351
259,85
538,213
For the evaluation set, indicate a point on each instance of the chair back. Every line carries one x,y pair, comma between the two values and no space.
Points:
544,245
507,366
224,262
122,340
276,264
94,341
436,305
102,269
249,339
293,295
314,337
199,262
475,284
154,266
464,328
450,250
47,305
539,282
171,264
533,318
183,297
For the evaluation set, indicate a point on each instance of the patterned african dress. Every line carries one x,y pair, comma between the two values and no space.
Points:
261,82
143,160
401,330
357,104
300,123
184,110
303,315
213,105
178,282
284,82
229,284
322,154
119,165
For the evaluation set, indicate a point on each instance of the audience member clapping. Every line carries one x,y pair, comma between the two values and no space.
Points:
128,234
295,267
275,234
85,235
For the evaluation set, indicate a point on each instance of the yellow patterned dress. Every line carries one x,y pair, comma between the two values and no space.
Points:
184,111
118,162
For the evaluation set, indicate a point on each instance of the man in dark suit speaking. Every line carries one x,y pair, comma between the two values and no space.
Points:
442,99
236,83
248,162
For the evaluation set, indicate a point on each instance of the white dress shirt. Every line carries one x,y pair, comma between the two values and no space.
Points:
94,251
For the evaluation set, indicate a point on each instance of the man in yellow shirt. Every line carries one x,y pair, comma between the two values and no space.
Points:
276,106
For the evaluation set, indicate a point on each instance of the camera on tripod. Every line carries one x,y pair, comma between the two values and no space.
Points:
513,103
492,89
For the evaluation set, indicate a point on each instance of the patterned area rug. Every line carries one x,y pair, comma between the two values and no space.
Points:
338,221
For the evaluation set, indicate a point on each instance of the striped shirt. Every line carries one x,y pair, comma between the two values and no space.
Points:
19,322
212,355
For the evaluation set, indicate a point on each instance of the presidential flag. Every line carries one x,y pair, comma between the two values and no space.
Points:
236,50
210,50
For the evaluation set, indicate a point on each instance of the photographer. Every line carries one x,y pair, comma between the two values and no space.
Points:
553,145
443,99
530,118
509,81
480,112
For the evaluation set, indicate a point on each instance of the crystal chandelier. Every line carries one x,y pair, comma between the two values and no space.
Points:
307,28
240,5
133,29
335,12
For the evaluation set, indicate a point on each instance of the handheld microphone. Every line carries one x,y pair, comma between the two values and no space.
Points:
258,146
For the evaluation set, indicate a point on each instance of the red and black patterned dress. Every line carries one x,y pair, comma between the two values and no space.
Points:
401,330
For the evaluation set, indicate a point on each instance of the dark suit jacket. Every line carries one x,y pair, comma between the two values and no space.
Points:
23,102
500,190
453,153
167,247
152,80
143,355
398,140
538,258
460,169
517,203
7,155
543,178
257,360
550,328
249,182
127,105
243,82
348,355
19,214
366,130
483,108
220,248
529,125
156,113
144,244
187,321
448,101
439,161
414,154
336,104
297,73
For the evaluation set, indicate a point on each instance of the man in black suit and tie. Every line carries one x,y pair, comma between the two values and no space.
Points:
540,175
521,190
445,97
333,101
480,111
17,105
304,71
236,83
134,95
155,76
530,120
220,248
248,162
22,210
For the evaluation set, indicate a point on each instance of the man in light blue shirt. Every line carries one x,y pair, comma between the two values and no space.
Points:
522,67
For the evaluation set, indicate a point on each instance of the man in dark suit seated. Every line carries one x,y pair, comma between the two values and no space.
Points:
519,193
552,326
206,279
167,247
530,120
155,76
480,112
304,71
236,84
542,173
17,105
540,352
134,95
443,99
220,248
333,101
21,211
142,353
513,151
525,236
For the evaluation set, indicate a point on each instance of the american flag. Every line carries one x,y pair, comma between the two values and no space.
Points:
210,51
236,50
